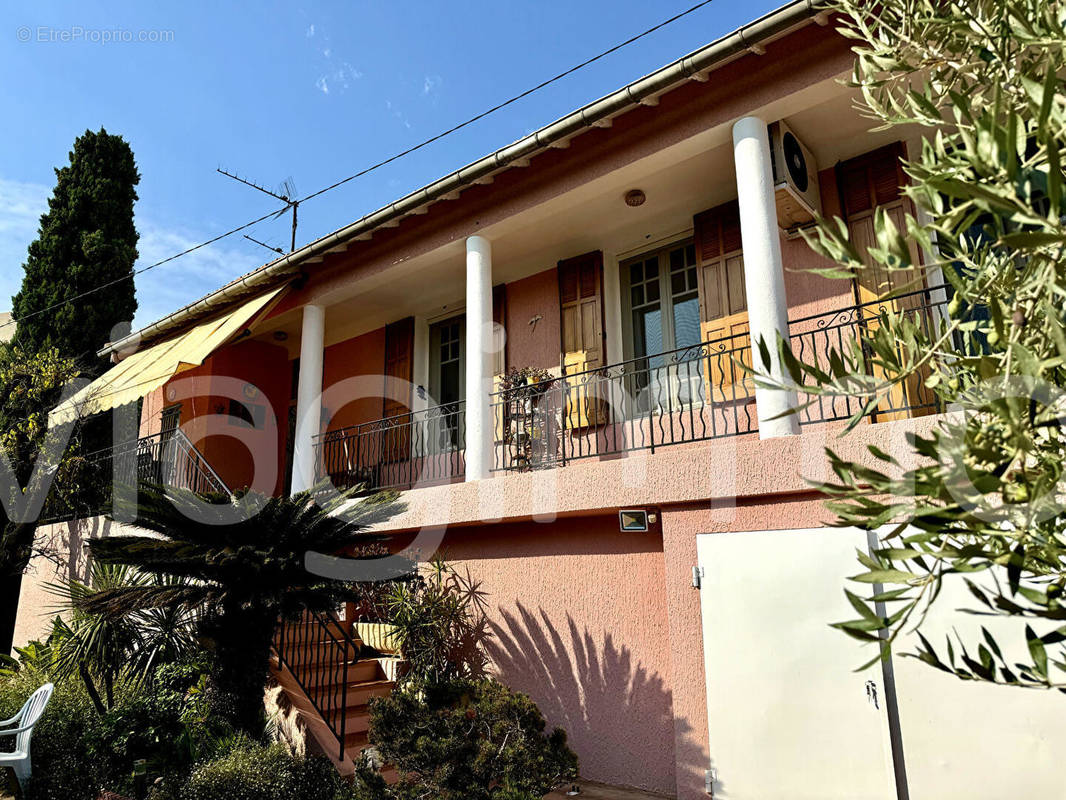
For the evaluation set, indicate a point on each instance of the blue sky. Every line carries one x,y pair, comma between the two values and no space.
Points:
275,90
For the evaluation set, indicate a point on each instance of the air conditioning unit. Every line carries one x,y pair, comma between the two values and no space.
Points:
795,178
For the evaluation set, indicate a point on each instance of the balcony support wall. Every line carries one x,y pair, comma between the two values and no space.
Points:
764,275
479,357
308,397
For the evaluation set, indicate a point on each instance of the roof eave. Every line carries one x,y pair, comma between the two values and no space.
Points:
748,38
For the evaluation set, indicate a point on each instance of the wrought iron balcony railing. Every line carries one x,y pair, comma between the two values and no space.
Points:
415,448
165,459
690,394
813,338
687,395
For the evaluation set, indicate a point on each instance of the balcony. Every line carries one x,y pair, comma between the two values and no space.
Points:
680,397
165,459
419,448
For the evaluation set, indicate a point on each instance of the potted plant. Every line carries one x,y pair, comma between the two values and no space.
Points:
527,416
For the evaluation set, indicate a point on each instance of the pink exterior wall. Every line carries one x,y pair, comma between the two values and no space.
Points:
529,345
808,293
579,622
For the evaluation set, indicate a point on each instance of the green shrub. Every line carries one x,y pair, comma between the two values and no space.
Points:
468,740
77,752
64,767
440,624
254,771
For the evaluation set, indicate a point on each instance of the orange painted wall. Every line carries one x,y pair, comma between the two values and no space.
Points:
258,364
363,355
265,370
579,622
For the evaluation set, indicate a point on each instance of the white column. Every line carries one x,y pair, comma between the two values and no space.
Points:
764,277
308,397
478,358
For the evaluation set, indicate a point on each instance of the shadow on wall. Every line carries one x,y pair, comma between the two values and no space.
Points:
618,716
59,556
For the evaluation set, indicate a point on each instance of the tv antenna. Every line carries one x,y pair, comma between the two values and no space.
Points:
286,193
264,244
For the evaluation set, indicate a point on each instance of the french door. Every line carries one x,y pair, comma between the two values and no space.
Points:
447,383
663,316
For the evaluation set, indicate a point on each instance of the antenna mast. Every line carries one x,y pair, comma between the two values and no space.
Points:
288,198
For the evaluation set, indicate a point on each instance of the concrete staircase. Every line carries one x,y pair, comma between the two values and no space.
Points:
327,679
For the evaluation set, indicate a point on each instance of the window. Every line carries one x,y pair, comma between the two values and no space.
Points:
664,303
664,326
447,367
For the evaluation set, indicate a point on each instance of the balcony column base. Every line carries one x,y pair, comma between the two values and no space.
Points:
764,276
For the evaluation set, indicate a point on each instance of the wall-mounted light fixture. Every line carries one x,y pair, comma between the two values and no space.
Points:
635,520
635,197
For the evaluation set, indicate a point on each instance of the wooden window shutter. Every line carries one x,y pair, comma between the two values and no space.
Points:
581,308
723,302
581,331
399,360
871,180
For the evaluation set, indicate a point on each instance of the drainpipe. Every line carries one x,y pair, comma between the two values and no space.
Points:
764,276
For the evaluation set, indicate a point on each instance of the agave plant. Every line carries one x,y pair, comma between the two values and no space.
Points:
242,577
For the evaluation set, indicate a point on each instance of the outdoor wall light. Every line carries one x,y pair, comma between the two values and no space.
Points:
635,197
633,519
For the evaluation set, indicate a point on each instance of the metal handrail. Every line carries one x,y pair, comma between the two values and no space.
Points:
297,647
646,402
156,444
880,302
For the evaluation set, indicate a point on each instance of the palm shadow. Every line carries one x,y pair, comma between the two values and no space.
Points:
617,714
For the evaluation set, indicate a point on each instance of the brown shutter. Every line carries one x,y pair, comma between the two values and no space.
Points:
399,358
581,332
581,310
723,302
871,181
721,273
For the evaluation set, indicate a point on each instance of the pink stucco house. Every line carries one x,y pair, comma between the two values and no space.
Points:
628,253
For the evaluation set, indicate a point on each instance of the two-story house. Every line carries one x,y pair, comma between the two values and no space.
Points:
624,258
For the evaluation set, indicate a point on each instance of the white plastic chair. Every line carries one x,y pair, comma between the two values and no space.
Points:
24,721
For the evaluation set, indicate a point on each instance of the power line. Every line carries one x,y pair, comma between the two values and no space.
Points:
376,166
140,271
506,103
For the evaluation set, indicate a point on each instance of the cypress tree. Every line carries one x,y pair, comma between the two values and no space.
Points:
86,239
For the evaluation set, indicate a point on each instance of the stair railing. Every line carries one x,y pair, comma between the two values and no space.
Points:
316,651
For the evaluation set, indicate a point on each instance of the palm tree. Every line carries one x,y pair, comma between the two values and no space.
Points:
108,648
244,576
